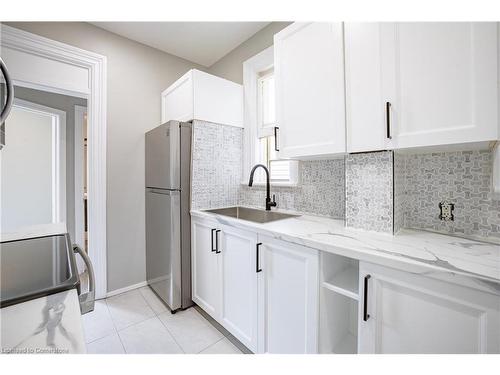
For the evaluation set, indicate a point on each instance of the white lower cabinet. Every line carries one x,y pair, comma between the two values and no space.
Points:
408,313
271,296
239,285
288,298
263,291
205,266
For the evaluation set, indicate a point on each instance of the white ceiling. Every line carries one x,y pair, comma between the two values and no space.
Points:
200,42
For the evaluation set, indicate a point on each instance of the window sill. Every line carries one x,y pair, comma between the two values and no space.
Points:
273,184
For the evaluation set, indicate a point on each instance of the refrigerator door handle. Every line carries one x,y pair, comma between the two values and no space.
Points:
163,192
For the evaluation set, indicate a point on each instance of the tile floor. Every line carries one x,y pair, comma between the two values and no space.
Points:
138,322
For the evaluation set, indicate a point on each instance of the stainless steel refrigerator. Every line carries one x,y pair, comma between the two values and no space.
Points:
168,223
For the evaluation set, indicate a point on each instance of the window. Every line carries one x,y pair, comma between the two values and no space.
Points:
260,121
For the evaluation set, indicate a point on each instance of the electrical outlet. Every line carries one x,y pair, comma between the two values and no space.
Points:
446,211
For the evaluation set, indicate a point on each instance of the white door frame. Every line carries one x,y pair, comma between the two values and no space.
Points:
79,239
95,65
58,119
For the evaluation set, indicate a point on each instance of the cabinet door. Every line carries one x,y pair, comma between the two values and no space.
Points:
309,73
288,298
239,285
365,104
441,79
204,264
177,101
415,314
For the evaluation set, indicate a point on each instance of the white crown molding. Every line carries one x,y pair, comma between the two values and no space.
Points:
96,66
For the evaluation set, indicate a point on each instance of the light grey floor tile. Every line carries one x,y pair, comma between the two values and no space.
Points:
153,301
107,345
193,332
223,346
98,323
149,336
129,308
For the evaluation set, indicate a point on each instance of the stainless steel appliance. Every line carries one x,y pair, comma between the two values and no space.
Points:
6,99
36,267
168,223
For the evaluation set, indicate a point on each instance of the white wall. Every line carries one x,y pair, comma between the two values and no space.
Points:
26,171
137,75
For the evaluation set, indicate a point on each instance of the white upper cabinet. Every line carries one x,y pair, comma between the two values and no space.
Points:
365,105
309,73
414,85
201,96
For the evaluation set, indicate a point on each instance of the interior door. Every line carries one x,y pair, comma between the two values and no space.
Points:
441,81
163,244
239,285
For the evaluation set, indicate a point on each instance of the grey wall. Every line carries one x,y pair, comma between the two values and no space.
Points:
231,65
66,104
137,74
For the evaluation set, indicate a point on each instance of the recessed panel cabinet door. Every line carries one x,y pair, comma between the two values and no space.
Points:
365,104
441,79
309,73
239,285
288,298
407,313
204,267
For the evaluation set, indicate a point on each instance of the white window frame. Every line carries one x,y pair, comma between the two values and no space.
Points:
251,73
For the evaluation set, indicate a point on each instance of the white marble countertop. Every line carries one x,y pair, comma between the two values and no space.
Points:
51,325
34,231
412,250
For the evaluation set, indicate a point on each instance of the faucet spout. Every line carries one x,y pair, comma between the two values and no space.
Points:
269,203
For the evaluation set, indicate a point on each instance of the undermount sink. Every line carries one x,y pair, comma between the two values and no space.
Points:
251,214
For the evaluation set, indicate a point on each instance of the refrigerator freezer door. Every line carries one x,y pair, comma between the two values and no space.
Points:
163,156
163,245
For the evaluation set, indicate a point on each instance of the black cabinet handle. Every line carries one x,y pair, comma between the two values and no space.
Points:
366,316
388,119
276,148
257,260
212,239
217,251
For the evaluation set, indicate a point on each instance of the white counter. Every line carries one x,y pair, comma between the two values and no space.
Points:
49,324
423,252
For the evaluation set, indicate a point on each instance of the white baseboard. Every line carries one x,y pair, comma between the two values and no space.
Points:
126,289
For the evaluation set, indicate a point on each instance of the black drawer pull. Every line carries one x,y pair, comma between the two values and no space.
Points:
388,119
212,239
257,260
366,316
217,251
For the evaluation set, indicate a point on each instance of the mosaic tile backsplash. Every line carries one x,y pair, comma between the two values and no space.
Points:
320,190
369,191
463,178
216,165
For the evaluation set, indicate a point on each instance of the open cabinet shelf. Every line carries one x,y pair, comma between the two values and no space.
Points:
345,282
339,298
